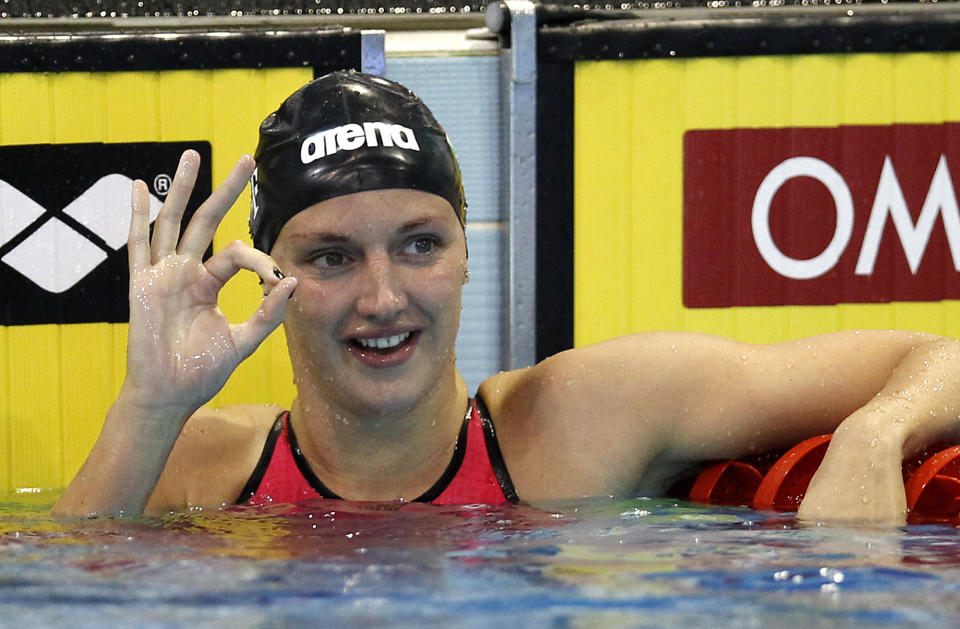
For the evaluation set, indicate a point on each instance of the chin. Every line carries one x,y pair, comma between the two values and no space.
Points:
386,402
401,396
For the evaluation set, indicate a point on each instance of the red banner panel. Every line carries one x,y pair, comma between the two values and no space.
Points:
821,215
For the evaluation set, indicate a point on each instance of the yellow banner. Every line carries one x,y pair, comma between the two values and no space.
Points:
57,381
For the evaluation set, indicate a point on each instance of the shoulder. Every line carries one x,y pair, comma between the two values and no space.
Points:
627,366
238,421
588,421
214,456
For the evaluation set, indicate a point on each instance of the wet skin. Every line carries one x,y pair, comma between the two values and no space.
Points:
372,325
371,314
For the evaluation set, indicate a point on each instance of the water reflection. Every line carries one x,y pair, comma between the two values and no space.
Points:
603,563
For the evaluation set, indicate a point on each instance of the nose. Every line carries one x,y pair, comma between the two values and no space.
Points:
381,294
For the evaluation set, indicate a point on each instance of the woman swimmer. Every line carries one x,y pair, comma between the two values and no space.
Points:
357,221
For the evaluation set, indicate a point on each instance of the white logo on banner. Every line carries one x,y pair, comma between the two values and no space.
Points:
55,256
941,200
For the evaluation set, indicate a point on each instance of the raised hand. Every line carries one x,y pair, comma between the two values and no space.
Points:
181,348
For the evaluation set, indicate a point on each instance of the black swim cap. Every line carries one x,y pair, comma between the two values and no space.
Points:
342,133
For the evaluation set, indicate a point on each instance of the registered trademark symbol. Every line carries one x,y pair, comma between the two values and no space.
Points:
161,184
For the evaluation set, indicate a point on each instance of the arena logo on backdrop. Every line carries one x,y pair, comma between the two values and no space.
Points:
64,219
821,215
350,137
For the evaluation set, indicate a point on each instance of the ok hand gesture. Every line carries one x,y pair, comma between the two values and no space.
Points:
181,349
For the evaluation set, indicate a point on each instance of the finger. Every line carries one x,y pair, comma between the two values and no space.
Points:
138,245
239,255
248,335
203,225
166,229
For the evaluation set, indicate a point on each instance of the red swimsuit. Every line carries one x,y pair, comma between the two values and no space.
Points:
476,473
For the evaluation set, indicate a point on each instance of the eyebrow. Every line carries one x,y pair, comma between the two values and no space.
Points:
320,236
416,223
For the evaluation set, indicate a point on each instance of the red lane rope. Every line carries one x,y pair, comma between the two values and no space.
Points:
931,481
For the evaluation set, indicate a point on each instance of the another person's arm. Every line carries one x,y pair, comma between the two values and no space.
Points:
180,348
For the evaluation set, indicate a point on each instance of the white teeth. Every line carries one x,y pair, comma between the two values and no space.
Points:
384,342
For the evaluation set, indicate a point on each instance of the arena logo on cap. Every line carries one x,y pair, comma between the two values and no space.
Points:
350,137
821,215
63,244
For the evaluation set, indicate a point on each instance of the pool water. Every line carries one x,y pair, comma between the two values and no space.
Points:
590,563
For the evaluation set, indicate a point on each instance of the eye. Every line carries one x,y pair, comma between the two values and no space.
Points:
330,260
420,246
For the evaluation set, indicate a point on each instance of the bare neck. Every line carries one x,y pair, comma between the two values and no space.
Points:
384,456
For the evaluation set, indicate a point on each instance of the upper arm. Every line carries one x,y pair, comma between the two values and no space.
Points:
753,398
212,458
715,397
611,411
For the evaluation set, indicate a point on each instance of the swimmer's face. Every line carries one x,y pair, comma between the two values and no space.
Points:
375,316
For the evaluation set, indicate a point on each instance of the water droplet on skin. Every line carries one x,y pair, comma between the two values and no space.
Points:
864,500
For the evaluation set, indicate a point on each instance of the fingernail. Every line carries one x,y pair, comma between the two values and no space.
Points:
278,273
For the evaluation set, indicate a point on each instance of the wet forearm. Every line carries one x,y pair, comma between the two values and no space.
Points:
860,476
124,466
920,402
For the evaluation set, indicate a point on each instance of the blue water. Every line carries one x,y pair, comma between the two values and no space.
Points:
597,563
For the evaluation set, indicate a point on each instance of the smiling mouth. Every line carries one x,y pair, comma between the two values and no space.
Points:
383,343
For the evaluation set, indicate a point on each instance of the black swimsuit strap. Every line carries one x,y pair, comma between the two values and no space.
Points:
456,461
494,453
304,466
253,483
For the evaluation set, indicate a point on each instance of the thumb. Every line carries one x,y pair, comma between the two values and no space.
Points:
247,336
